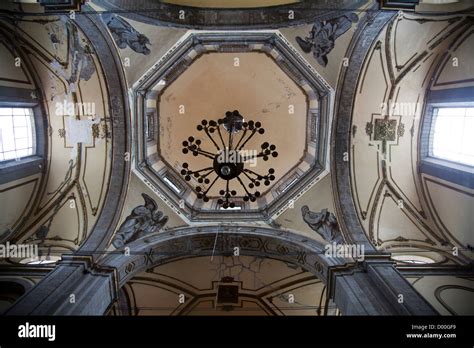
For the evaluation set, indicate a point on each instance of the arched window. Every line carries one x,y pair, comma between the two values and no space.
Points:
412,259
447,136
453,135
22,134
41,260
17,133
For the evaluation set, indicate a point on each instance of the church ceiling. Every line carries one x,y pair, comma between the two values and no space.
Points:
73,185
139,43
341,97
393,200
222,285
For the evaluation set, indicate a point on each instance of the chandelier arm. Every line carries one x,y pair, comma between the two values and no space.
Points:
250,137
211,155
248,176
220,136
254,173
210,186
242,137
210,137
227,192
245,158
209,172
242,184
204,153
200,170
230,140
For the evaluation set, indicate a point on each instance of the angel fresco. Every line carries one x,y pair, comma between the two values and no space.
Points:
324,223
143,220
322,38
125,35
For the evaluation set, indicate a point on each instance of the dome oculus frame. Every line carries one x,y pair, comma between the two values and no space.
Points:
151,168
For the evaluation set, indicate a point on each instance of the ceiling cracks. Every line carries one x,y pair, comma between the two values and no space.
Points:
241,285
343,96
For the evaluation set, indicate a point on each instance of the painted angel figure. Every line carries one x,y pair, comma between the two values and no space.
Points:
324,223
322,38
125,35
143,220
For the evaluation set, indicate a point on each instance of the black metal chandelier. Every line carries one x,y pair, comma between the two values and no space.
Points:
229,163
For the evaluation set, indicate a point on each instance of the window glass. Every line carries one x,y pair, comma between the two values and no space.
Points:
453,137
413,259
17,133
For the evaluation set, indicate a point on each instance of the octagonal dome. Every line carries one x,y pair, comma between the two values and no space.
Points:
197,82
210,87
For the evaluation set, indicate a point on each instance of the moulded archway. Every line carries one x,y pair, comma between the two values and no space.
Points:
185,242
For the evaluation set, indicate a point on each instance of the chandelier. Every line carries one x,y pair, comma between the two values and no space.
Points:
230,162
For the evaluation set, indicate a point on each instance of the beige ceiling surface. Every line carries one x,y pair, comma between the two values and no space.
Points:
66,199
264,288
399,208
257,88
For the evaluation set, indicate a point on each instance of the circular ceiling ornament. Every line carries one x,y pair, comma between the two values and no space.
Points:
231,160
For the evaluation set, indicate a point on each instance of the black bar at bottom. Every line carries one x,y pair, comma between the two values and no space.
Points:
291,331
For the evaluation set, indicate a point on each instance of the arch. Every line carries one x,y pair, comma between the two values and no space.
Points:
102,232
165,14
163,247
12,288
360,45
440,299
31,97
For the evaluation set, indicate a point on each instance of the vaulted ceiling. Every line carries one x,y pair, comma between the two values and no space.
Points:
224,286
339,148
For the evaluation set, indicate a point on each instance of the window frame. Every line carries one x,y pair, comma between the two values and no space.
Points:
14,169
150,126
455,172
32,134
